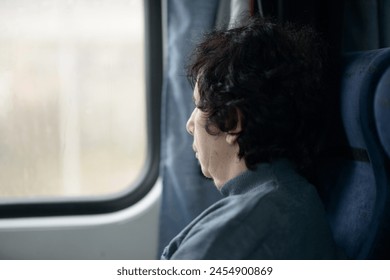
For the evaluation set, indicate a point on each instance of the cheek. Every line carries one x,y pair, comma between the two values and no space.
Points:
201,144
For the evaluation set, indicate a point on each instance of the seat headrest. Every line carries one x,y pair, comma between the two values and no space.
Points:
367,81
382,110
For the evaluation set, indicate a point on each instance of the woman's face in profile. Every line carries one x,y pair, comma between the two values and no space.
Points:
212,151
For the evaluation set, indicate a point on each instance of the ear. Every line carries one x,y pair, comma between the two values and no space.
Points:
232,135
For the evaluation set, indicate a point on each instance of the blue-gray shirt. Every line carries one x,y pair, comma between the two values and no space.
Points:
269,213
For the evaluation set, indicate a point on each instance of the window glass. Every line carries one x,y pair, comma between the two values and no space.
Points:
72,97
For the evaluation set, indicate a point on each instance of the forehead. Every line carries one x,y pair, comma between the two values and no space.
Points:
195,95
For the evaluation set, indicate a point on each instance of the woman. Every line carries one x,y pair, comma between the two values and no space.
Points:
257,123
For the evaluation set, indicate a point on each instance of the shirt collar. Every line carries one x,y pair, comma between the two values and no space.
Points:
278,170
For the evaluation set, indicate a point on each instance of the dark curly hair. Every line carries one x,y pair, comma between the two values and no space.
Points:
273,76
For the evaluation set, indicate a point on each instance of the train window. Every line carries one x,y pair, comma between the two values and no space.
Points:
72,97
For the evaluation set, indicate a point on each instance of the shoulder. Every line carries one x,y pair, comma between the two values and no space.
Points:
282,218
224,230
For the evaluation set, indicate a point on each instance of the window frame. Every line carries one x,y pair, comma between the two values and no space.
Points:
49,207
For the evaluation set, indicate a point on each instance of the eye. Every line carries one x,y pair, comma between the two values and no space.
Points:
194,101
197,106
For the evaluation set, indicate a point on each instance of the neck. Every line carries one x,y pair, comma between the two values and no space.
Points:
229,171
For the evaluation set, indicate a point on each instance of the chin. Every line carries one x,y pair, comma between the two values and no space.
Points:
206,174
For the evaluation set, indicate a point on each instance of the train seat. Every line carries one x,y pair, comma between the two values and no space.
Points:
354,178
382,110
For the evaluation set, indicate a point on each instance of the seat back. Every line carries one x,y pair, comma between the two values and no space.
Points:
354,178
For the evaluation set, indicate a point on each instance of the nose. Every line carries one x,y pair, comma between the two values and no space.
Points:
190,123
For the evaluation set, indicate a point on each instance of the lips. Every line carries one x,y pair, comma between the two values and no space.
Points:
195,151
